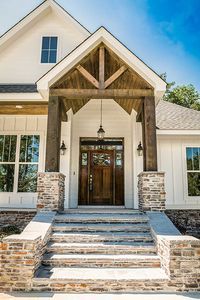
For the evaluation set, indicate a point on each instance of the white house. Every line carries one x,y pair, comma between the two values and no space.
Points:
49,47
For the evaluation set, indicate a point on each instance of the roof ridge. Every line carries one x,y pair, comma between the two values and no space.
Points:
180,106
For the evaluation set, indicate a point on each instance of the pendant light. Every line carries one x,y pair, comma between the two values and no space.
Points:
101,132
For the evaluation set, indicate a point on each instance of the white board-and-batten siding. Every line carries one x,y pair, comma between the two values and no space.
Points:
117,123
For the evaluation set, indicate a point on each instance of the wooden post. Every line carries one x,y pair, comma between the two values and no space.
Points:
52,163
149,134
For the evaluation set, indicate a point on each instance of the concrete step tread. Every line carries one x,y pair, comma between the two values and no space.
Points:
135,257
46,273
101,217
102,245
102,234
98,210
101,226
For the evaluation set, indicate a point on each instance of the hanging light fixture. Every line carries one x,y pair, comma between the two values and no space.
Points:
101,132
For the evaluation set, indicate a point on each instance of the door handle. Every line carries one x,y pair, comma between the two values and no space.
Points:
90,182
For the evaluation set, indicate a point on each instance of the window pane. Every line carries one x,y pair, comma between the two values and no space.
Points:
29,148
118,159
8,148
193,183
6,178
45,43
196,158
53,43
27,181
189,158
52,56
44,57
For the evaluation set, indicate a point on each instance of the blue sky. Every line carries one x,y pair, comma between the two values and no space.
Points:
163,33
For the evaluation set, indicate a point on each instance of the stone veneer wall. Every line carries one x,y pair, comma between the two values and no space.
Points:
151,191
187,221
51,191
17,218
179,255
21,254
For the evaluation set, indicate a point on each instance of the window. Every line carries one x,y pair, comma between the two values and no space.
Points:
28,163
19,158
193,170
49,49
7,162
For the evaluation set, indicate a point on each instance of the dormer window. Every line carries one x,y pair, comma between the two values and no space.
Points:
49,49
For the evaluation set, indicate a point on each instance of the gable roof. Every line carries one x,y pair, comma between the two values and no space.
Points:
170,116
31,17
102,35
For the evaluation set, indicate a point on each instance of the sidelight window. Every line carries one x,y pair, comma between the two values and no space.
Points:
193,170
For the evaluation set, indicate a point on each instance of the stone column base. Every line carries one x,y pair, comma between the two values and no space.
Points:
151,191
51,191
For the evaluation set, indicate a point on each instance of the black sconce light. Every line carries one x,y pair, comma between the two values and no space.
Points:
140,149
63,148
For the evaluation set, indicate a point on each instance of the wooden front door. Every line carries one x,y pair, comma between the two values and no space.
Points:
101,172
101,177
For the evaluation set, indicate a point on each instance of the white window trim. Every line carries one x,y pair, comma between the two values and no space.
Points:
188,199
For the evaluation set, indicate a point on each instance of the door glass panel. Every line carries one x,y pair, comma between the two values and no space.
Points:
101,159
27,181
7,177
118,161
84,159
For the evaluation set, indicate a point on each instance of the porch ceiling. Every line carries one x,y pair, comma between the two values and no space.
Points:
120,82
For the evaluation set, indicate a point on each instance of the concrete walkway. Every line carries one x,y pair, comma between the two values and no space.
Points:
135,296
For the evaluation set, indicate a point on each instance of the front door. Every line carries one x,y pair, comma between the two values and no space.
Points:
101,177
101,172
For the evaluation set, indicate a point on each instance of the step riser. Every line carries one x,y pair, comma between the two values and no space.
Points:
101,263
100,250
109,286
99,239
101,229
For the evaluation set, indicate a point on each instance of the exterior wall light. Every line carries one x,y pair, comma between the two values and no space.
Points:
140,149
63,148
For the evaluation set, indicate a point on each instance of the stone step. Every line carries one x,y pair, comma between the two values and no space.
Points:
85,280
101,218
99,210
79,227
90,237
103,248
105,261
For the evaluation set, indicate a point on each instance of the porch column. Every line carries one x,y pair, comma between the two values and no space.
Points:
52,163
149,134
151,188
51,183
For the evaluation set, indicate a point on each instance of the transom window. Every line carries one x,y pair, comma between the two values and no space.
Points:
193,170
49,49
19,159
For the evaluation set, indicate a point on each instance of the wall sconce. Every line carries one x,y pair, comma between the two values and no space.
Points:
140,149
63,148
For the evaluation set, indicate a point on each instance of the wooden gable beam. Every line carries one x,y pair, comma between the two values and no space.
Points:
88,76
116,75
101,67
98,94
140,111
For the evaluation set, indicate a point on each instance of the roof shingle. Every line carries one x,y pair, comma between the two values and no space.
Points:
18,88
